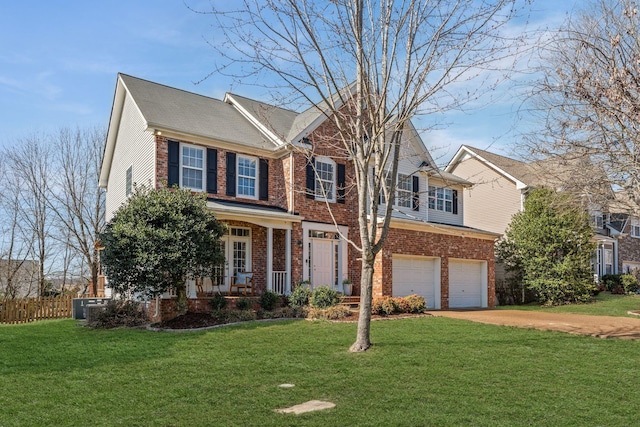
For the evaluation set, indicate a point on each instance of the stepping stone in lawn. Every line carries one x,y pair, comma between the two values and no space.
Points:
310,406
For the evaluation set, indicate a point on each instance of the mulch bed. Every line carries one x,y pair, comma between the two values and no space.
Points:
203,320
190,321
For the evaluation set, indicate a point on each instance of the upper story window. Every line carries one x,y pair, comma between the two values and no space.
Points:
404,194
192,167
325,184
635,227
247,176
596,220
441,199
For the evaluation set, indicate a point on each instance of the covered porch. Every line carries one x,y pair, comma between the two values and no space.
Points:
258,243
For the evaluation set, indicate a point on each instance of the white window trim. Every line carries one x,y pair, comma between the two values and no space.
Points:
635,228
204,167
326,160
255,178
401,192
436,198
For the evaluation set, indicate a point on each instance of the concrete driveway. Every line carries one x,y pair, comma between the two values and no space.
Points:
597,326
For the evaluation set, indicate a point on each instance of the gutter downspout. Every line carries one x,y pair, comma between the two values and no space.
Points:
291,184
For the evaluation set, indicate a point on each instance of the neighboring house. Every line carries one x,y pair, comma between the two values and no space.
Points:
625,228
501,186
18,278
249,158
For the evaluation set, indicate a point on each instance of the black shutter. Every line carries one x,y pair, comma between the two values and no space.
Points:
173,173
311,180
455,201
212,170
416,193
231,174
341,183
264,179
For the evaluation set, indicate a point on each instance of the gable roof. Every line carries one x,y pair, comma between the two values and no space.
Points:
576,175
167,108
236,120
522,174
275,121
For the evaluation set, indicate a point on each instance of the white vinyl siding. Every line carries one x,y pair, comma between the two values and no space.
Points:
136,147
129,181
492,201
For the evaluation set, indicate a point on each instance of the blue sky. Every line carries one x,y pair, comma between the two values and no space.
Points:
59,61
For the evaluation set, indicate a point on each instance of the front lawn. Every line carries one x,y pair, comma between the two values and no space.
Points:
604,304
423,371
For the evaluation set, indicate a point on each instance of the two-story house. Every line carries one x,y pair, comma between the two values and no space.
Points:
501,185
252,161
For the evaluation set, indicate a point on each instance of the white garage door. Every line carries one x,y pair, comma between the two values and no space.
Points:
467,283
416,275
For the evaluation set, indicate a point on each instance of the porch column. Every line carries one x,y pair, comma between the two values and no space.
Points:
270,258
287,261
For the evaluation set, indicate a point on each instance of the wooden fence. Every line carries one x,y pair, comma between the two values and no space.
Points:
31,309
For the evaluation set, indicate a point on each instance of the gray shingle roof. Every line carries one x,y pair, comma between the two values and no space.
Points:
521,171
278,120
178,110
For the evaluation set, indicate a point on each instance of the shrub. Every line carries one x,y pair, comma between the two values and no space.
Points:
383,306
402,305
337,312
268,300
244,303
218,302
629,283
300,296
120,312
611,281
417,303
242,315
331,313
324,297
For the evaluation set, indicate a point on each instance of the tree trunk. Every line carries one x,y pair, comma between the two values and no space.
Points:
182,305
363,336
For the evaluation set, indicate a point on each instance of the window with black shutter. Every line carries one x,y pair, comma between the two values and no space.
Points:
231,174
263,184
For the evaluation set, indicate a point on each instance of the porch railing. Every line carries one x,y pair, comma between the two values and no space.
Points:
279,282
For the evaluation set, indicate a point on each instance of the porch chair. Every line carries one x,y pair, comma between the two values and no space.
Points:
242,281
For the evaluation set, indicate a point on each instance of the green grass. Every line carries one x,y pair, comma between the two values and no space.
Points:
604,304
421,372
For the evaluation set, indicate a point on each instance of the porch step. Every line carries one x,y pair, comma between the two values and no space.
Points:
352,301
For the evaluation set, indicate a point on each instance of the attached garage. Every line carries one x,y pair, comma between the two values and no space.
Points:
417,275
467,283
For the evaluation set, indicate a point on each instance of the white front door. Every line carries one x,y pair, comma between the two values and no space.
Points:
322,262
236,246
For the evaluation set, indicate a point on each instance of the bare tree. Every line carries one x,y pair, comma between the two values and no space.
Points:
31,160
75,198
587,101
15,250
372,67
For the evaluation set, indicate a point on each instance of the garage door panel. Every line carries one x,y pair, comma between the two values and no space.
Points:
466,283
415,275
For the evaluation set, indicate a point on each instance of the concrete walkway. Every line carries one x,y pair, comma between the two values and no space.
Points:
598,326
